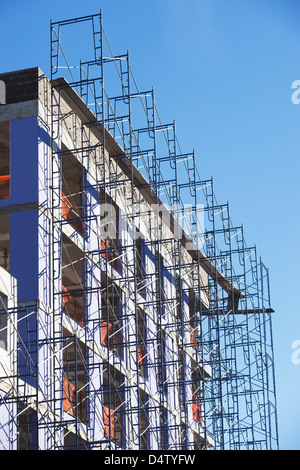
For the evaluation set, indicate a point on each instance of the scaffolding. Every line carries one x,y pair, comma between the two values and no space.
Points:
157,331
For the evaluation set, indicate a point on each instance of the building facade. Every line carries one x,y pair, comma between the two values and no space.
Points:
124,324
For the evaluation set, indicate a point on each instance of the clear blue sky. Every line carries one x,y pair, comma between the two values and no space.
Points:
224,71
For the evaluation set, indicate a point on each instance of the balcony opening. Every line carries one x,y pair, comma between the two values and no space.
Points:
110,245
197,397
144,420
73,383
27,435
194,308
140,267
111,321
161,360
71,197
164,428
113,405
4,160
179,306
72,281
74,442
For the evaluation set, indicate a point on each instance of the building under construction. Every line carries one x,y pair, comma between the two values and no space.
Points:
133,314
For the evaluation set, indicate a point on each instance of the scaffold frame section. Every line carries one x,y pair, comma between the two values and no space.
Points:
158,331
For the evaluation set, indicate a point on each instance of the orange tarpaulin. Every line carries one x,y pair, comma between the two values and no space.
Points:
106,331
66,296
192,337
68,213
68,396
66,206
109,422
103,245
72,307
140,356
81,405
112,255
197,410
4,187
